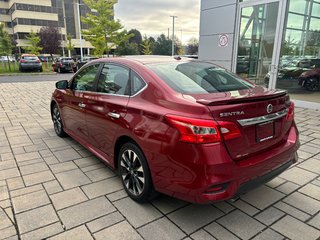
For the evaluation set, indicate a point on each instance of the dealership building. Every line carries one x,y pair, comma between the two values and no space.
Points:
266,41
23,16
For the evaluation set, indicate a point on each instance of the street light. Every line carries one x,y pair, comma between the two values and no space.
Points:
173,18
80,34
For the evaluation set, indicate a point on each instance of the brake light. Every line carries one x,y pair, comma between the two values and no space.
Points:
61,65
38,61
290,114
22,60
229,130
202,131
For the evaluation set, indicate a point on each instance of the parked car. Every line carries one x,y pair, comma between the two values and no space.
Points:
310,80
291,72
84,61
181,127
64,64
30,62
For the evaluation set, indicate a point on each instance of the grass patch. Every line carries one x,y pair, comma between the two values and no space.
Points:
14,68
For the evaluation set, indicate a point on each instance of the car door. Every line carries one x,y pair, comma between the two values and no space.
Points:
75,110
107,109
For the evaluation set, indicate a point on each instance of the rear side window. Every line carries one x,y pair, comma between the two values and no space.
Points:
84,80
198,78
114,80
137,83
30,58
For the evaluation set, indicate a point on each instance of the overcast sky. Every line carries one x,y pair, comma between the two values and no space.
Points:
152,17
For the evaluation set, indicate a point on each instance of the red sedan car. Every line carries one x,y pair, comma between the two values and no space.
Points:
182,127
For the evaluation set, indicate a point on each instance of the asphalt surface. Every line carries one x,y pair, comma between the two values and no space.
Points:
35,78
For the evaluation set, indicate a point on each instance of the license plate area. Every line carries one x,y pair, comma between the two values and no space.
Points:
264,131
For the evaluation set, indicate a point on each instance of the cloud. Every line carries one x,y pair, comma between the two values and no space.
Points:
152,17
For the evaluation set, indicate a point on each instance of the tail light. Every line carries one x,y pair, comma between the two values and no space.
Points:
38,61
290,114
22,60
203,131
61,65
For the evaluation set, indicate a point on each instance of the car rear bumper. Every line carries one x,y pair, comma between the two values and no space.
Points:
219,178
31,66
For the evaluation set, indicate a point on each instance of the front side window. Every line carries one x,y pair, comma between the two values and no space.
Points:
84,81
198,78
114,80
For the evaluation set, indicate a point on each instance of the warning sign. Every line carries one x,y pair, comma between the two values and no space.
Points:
223,40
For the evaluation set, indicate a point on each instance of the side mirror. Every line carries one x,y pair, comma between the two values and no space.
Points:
64,84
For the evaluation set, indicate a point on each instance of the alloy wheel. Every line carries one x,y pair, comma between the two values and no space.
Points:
56,118
132,172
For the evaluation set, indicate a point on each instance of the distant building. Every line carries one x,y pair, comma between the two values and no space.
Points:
23,16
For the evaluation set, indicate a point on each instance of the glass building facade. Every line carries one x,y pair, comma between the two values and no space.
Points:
275,43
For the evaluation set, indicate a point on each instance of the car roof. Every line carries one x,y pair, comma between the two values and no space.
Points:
28,55
145,59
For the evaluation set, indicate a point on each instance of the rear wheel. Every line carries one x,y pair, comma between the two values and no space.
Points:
312,84
57,122
135,173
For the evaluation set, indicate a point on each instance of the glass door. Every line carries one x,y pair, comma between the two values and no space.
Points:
258,46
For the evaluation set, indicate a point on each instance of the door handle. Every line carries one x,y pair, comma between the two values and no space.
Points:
114,115
81,105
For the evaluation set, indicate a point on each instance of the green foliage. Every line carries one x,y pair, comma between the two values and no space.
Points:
5,42
103,31
127,48
146,46
33,42
162,46
192,46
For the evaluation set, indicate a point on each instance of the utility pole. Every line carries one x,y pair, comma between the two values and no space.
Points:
80,34
173,18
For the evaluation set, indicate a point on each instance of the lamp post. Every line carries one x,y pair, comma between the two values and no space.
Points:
173,18
80,34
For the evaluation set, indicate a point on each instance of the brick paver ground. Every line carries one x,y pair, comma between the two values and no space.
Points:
53,188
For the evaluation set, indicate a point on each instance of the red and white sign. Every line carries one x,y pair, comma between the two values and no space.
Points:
223,40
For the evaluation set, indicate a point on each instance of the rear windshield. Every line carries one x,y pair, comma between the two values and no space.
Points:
67,60
198,77
30,58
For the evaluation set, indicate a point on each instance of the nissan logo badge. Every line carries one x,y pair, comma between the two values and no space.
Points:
269,108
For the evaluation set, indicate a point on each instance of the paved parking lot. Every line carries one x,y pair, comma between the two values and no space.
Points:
54,188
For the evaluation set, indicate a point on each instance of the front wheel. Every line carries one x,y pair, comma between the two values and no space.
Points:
135,173
57,122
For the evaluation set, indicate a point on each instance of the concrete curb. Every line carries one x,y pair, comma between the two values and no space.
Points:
27,74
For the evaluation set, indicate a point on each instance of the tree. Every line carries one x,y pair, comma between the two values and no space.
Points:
6,45
193,46
136,38
33,43
70,46
103,31
127,48
50,40
162,46
146,46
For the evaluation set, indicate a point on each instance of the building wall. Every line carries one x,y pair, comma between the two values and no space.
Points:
23,16
217,17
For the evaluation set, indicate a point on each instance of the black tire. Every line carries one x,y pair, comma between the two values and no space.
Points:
21,69
135,174
41,69
57,122
312,84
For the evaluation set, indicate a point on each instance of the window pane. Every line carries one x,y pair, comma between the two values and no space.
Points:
114,80
295,21
198,78
297,6
84,81
316,10
137,83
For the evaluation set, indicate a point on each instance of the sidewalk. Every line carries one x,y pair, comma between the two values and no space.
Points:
54,188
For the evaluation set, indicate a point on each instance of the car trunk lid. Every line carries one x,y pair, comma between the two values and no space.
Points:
258,113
